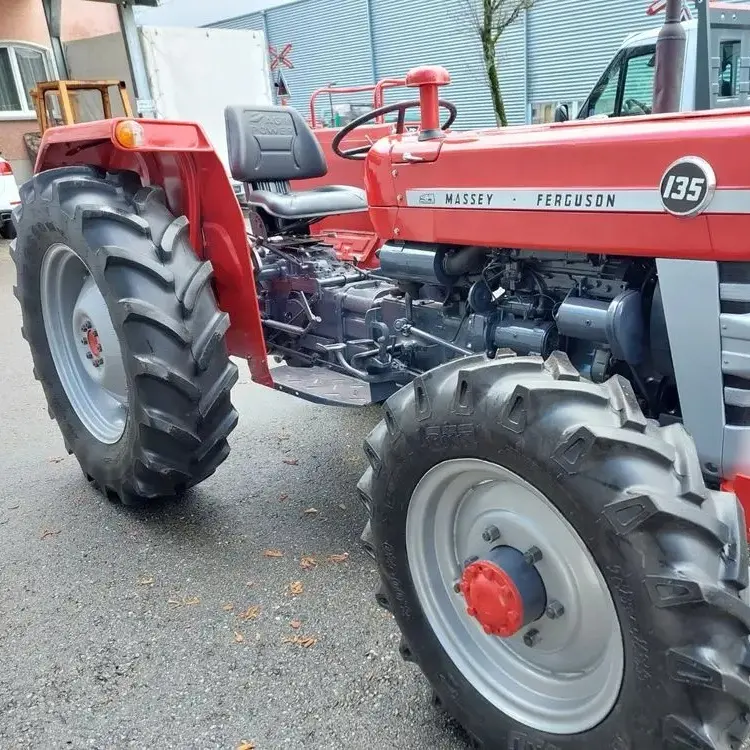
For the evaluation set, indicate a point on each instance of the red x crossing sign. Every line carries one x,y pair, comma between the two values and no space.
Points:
279,59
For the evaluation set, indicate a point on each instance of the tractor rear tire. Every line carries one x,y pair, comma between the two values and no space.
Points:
125,334
473,454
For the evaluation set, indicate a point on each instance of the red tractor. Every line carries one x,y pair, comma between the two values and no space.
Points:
558,330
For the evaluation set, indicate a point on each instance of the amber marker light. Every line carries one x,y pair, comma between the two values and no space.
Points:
130,134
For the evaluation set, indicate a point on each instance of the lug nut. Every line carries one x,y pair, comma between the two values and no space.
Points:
96,363
99,361
84,340
531,638
89,355
86,327
457,587
532,555
554,610
491,534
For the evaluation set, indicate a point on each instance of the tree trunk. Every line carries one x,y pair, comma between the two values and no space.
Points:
493,81
489,51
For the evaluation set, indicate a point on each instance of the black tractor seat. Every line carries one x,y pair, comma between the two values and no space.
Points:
324,200
268,147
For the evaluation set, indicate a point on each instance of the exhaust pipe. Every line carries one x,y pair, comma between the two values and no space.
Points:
670,55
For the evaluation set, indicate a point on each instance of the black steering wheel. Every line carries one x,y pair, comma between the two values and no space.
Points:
359,152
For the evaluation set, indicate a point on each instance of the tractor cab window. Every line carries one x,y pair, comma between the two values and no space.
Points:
638,87
625,88
604,97
729,70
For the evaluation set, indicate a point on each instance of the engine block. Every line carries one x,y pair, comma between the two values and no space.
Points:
426,305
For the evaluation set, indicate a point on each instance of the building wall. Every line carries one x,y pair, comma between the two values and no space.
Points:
24,21
82,19
554,53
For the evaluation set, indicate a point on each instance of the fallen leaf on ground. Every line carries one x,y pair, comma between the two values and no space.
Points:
228,607
238,637
311,511
342,506
273,553
186,601
302,640
291,461
338,558
244,745
296,588
296,624
283,497
250,613
145,580
49,532
56,459
308,562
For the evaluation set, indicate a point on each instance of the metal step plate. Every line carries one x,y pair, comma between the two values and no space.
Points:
322,386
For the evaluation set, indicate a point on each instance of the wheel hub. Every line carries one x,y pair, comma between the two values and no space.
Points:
534,631
84,344
503,592
93,343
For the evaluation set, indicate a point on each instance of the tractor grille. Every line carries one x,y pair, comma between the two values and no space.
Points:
734,293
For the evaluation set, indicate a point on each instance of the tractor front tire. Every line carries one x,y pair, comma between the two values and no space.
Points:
517,490
125,334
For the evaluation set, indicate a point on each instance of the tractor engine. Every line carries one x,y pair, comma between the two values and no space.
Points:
427,304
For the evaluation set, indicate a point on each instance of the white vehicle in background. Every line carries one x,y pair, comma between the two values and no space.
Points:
626,87
9,199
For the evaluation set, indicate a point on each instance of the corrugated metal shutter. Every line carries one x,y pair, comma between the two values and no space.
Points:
409,33
330,44
572,41
250,21
511,63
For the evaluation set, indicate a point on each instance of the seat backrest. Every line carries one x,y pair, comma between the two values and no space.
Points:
271,143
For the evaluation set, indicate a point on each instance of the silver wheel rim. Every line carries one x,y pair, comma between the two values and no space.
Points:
83,344
570,680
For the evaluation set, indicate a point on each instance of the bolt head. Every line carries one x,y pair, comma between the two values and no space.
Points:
94,333
555,610
84,341
531,638
533,555
89,355
491,534
457,587
96,363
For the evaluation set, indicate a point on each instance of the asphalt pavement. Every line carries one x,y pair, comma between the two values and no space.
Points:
241,614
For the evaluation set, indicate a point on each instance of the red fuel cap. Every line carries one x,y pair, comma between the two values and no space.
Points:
492,598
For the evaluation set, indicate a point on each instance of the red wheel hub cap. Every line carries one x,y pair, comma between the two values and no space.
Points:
93,343
492,598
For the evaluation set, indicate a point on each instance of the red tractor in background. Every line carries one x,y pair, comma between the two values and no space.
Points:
558,330
351,235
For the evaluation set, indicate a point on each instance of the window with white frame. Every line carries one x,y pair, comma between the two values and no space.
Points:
22,66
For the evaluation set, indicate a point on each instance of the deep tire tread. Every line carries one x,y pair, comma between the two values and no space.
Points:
515,398
172,334
191,293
